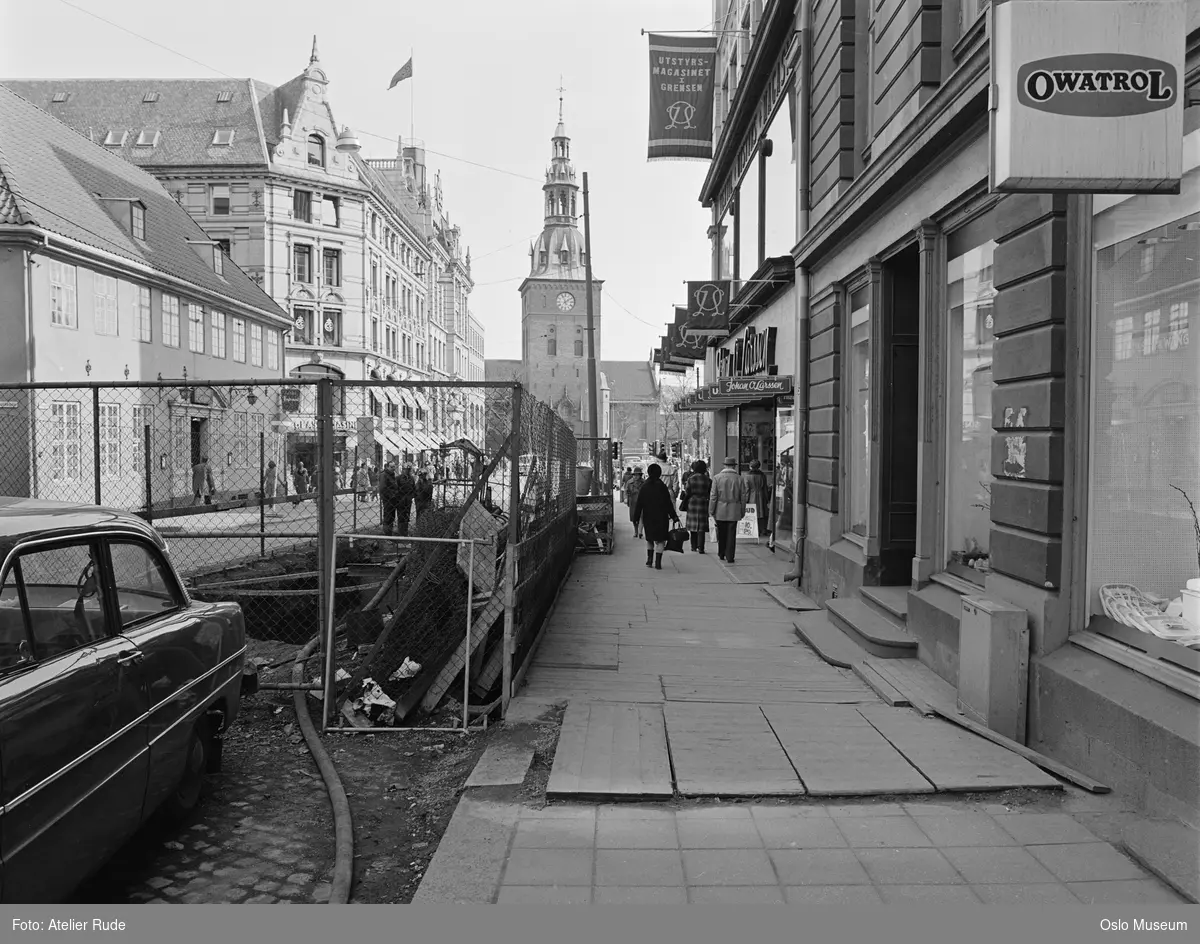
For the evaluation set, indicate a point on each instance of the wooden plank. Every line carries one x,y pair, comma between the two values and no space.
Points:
765,693
923,687
1041,760
727,751
837,752
578,652
609,750
952,759
829,642
880,686
502,764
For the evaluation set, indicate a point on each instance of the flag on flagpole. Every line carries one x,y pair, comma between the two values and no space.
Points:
404,73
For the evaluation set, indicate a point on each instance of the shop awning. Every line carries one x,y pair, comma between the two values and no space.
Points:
734,391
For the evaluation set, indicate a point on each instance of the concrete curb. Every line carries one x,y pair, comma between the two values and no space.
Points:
470,859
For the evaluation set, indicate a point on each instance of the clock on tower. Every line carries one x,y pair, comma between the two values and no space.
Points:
566,301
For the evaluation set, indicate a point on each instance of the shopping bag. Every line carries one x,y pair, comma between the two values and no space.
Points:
675,539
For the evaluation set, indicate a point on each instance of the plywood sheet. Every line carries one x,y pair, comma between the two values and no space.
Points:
727,751
766,692
611,750
837,752
952,759
574,650
502,764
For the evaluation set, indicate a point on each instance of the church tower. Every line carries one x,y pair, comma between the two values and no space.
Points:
554,297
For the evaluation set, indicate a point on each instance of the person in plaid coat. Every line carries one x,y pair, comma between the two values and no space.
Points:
632,487
698,488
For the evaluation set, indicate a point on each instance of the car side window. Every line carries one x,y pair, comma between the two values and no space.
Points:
63,592
145,586
15,646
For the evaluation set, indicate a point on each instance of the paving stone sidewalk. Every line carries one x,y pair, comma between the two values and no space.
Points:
949,852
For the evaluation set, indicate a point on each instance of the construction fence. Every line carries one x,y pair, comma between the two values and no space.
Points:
381,516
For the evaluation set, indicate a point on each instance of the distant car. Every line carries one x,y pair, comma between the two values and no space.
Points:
115,688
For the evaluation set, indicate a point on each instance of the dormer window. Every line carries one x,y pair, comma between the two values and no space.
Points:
115,138
223,137
137,220
60,97
150,98
225,96
316,151
564,257
147,139
545,258
218,260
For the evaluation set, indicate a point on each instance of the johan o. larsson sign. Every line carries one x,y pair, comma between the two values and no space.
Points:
683,75
754,386
1088,96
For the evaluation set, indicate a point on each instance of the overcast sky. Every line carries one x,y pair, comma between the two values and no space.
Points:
486,77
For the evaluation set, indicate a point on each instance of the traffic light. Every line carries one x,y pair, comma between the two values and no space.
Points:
616,452
677,450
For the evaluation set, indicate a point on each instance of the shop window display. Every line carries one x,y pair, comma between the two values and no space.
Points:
969,412
1144,466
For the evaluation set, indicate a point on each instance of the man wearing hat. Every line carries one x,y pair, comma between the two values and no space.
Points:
727,505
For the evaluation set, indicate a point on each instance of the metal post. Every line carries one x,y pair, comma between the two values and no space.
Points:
510,553
467,643
262,494
149,474
354,484
96,439
325,523
328,640
593,407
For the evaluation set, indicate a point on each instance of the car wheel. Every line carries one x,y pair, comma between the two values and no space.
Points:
186,796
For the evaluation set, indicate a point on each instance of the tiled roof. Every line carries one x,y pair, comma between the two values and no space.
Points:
187,113
494,369
630,380
10,209
57,175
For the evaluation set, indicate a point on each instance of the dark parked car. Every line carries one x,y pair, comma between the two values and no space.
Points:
115,688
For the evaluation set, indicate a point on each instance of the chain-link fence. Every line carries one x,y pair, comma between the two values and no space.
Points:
250,481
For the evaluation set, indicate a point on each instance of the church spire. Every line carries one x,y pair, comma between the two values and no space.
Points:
314,58
559,250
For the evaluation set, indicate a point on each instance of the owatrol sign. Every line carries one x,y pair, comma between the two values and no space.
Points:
1087,95
1097,86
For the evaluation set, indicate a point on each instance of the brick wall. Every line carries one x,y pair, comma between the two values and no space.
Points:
1028,405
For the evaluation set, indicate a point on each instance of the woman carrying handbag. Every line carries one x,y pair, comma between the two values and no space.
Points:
652,511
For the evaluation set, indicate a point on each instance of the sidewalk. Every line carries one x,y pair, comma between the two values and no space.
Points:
685,686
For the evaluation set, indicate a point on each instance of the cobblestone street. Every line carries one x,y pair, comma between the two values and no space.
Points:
263,833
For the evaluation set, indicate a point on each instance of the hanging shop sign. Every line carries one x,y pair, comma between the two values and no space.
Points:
708,310
752,353
754,386
289,399
687,347
308,424
1088,96
683,75
663,364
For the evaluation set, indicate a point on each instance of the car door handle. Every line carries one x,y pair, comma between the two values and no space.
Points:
131,658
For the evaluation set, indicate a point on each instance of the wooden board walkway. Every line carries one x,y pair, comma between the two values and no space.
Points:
607,750
837,752
954,760
727,751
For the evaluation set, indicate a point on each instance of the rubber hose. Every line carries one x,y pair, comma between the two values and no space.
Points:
343,827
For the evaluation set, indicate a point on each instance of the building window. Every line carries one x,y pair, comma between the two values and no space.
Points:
316,151
241,440
137,220
110,440
115,138
217,319
747,221
272,350
219,199
331,328
147,139
578,348
218,261
195,329
170,320
551,346
302,325
330,211
858,466
375,334
779,224
302,205
64,307
137,438
969,411
105,304
226,246
239,340
66,442
1145,434
302,263
256,345
222,137
333,268
143,313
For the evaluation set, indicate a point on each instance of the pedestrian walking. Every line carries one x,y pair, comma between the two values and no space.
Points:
389,497
406,492
727,504
632,487
202,481
373,476
758,494
696,494
655,509
362,483
301,479
670,474
424,493
625,477
270,482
